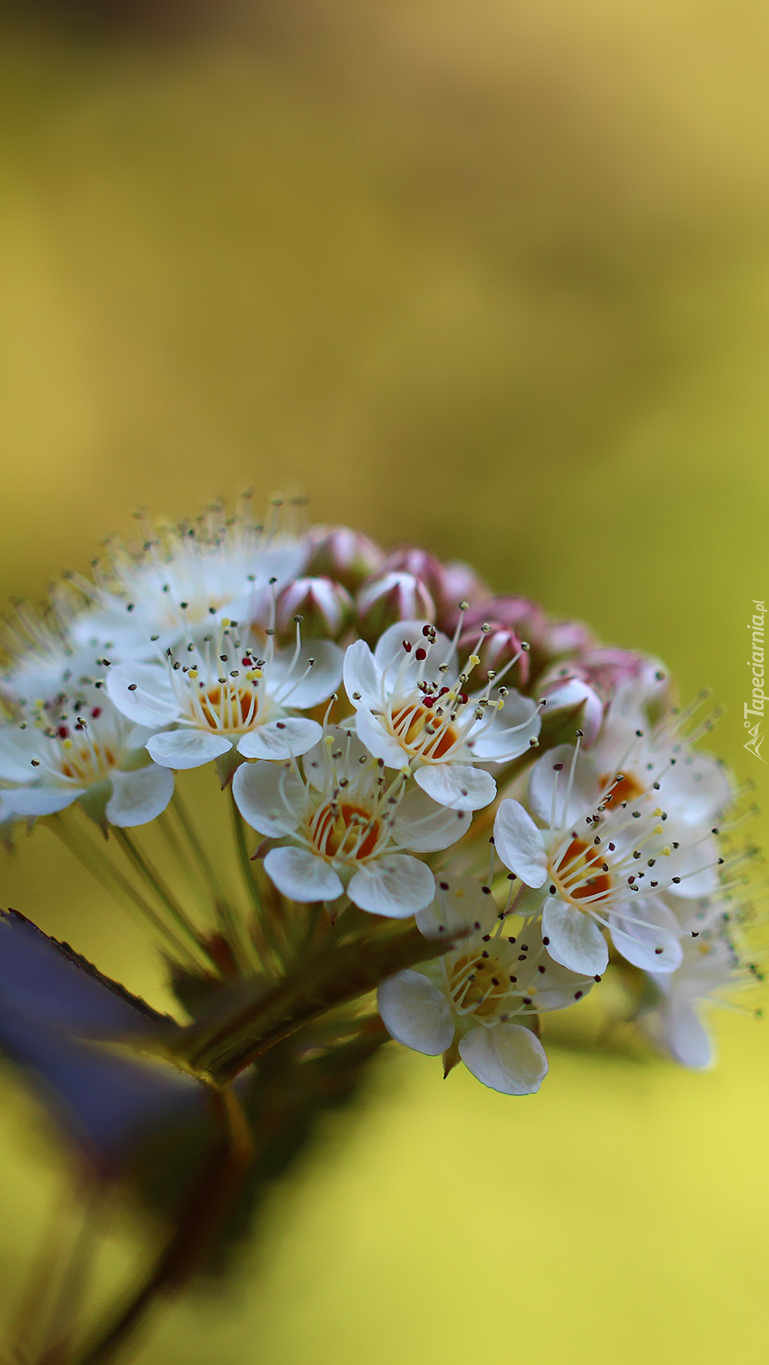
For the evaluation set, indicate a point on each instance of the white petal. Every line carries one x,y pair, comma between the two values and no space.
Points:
416,1013
425,827
694,862
642,931
281,738
575,692
186,748
143,693
697,789
519,843
361,676
270,797
41,800
288,687
389,650
553,772
575,939
686,1035
315,761
139,796
457,785
396,886
302,876
508,1058
459,904
379,742
17,749
510,733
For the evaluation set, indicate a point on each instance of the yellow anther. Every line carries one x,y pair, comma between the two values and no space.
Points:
666,850
193,673
68,744
657,829
474,660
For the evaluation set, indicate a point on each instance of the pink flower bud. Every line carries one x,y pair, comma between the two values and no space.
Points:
326,609
496,649
420,564
601,676
570,691
460,584
393,597
342,554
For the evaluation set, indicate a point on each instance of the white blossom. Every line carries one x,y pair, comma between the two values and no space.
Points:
217,692
413,708
346,825
466,1003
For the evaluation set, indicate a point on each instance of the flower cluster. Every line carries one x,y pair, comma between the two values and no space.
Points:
394,742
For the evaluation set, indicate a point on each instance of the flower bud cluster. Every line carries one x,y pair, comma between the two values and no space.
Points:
383,729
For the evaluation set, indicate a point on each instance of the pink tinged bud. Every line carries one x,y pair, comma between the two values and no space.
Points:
565,637
497,648
420,564
393,597
460,584
326,609
342,554
562,693
520,614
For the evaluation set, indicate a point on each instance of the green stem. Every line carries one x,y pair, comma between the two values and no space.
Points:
153,879
113,881
259,926
196,847
209,1204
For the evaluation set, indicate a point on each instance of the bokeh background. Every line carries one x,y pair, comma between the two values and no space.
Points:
493,277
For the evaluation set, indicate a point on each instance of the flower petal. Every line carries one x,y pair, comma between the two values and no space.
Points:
379,742
139,796
519,843
575,939
31,801
396,886
186,748
648,936
459,904
416,1013
685,1034
302,876
17,749
143,693
289,688
269,797
281,738
511,731
425,827
361,676
389,651
457,785
574,795
508,1058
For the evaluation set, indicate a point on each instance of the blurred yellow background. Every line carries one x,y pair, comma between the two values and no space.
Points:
489,276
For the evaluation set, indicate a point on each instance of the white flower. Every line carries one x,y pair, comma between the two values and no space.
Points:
42,660
81,748
712,964
216,693
635,758
186,576
347,824
412,708
465,1002
598,868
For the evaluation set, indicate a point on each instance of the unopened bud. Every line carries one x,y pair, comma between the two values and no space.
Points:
325,610
498,647
393,597
346,556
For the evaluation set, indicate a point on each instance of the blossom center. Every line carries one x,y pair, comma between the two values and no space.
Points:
580,873
341,829
624,787
225,707
423,731
88,763
481,981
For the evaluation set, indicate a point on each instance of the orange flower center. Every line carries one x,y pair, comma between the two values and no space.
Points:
88,764
626,789
579,873
228,708
480,983
419,728
345,830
